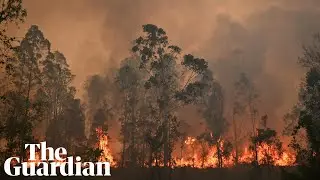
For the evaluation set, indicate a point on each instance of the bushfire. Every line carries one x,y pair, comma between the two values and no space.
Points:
196,154
199,155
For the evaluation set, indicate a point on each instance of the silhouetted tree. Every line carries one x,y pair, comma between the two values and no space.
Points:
161,61
308,119
247,103
201,139
22,106
213,113
130,80
267,142
238,111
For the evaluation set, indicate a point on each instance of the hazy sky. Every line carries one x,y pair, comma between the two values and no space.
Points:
260,37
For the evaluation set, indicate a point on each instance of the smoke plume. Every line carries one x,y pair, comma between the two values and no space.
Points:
261,38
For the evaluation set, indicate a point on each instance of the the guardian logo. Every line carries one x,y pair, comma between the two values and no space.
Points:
47,165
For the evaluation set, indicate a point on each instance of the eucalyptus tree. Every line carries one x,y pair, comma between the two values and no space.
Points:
307,115
63,114
212,107
133,114
11,12
173,79
22,108
245,104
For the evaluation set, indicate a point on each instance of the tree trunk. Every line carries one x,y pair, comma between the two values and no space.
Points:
256,154
181,151
166,139
253,121
133,159
123,152
235,140
193,152
150,158
166,149
24,130
219,154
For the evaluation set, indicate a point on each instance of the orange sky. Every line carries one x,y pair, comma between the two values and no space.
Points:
95,35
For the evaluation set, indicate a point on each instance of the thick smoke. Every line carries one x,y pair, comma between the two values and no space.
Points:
266,47
262,38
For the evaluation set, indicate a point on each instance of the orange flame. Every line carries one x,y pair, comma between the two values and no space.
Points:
103,144
199,156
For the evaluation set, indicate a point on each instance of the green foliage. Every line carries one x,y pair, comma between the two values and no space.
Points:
306,116
153,45
191,92
40,97
130,81
310,101
11,11
22,108
197,65
310,58
164,81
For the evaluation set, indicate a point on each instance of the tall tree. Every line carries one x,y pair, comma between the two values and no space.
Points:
130,80
309,114
41,90
47,78
22,108
57,89
305,117
246,104
214,115
163,62
68,129
11,11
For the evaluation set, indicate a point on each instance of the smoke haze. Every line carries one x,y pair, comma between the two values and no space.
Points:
262,38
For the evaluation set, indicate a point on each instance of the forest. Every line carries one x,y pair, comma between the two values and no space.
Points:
144,98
